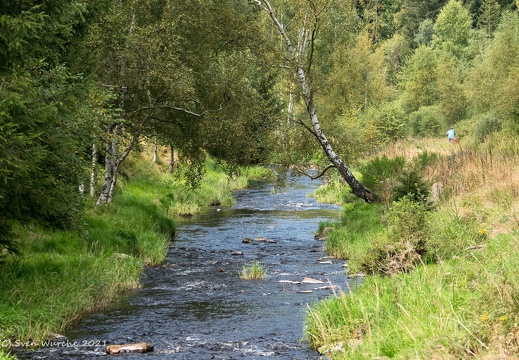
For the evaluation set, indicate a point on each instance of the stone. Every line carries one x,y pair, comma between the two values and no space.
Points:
129,348
307,280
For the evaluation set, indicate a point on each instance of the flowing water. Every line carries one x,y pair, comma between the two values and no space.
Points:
195,306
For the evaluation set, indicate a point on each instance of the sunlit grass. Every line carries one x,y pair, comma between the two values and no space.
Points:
253,271
465,306
463,300
64,274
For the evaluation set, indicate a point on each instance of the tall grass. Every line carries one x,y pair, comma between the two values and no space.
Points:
462,299
361,224
467,306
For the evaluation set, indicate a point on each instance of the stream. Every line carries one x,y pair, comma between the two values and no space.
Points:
195,306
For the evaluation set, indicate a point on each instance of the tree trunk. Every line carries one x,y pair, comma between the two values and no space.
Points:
112,152
93,171
356,187
109,160
171,159
155,150
116,162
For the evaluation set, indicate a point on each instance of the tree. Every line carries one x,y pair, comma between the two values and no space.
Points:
43,103
492,84
489,17
419,79
413,12
188,74
297,54
452,29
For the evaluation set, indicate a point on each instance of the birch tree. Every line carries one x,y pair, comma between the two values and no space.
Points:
299,54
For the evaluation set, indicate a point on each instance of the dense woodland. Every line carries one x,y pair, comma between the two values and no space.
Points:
83,83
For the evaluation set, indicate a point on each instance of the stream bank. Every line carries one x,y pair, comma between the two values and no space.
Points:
195,306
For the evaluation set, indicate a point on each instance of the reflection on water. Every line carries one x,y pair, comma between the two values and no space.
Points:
195,306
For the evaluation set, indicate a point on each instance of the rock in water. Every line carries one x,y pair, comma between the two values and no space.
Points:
129,348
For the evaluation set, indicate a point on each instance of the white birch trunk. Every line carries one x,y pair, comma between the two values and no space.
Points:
155,150
115,163
356,187
109,160
93,171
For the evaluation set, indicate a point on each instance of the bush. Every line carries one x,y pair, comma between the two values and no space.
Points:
427,121
425,159
403,246
391,122
412,186
8,244
378,174
487,124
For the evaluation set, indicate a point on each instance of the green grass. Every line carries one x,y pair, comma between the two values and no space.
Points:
464,306
361,223
6,356
253,271
457,297
64,274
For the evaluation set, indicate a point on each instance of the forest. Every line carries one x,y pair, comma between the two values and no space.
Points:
327,83
85,82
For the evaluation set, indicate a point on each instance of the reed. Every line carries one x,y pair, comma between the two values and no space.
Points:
253,271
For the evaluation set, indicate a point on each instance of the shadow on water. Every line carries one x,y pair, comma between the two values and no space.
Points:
195,306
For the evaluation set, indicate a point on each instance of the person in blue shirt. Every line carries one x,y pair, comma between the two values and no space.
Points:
451,135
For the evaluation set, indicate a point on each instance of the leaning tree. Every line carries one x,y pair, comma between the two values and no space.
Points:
299,57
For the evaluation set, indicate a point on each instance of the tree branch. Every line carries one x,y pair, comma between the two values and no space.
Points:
314,177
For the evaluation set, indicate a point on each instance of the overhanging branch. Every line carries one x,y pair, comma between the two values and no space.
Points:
313,177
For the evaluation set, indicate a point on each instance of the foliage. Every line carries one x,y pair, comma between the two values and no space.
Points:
419,80
410,184
380,174
94,266
489,17
425,33
462,308
391,122
354,237
427,121
486,124
44,133
402,248
452,29
491,85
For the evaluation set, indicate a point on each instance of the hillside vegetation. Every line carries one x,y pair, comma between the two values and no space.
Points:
441,277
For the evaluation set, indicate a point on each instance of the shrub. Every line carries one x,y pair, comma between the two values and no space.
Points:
487,124
402,247
391,123
427,121
379,173
425,159
412,186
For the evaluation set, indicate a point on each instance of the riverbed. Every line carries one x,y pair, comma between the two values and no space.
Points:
195,306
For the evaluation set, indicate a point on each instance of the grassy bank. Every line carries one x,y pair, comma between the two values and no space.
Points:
442,279
62,275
